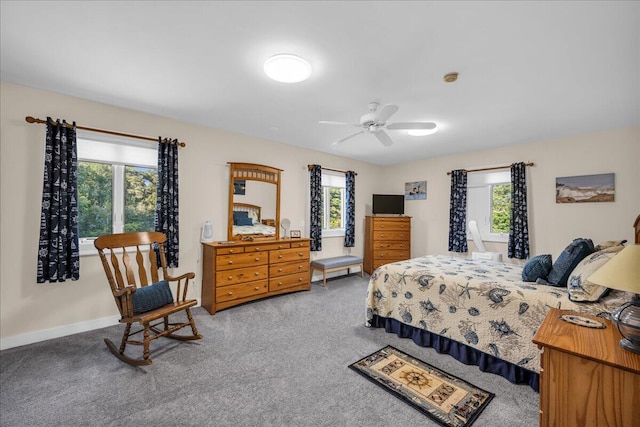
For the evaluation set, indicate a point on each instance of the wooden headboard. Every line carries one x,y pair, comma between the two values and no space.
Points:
636,225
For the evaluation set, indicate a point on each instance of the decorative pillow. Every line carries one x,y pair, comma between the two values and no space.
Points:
240,214
242,221
580,288
567,261
609,243
538,266
147,298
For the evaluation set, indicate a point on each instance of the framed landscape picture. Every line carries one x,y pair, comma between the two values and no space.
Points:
586,188
416,190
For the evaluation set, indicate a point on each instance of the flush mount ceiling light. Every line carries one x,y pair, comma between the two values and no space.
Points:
287,68
422,132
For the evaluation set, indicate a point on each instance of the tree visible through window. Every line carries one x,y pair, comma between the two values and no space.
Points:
500,208
333,201
139,198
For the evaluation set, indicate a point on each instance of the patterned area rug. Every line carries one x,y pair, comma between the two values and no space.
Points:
446,399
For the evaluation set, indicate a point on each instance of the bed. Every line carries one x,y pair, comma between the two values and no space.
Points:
480,312
243,229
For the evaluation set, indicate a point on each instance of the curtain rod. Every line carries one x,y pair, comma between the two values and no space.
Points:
30,119
330,169
490,169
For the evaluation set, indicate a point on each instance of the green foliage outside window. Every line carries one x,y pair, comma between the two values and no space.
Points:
335,208
95,198
95,206
500,208
139,198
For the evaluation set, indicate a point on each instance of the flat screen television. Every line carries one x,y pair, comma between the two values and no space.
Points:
389,204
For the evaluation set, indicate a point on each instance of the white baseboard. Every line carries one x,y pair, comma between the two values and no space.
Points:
61,331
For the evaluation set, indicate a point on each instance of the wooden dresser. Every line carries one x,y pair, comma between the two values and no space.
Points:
387,239
586,378
236,273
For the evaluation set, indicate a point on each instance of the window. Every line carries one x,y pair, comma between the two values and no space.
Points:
116,187
489,203
333,204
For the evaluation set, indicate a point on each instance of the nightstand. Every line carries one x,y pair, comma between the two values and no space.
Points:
586,378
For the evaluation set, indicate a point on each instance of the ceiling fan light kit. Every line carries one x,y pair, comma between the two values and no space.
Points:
375,122
287,68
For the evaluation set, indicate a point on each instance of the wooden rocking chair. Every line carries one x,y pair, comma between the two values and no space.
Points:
148,301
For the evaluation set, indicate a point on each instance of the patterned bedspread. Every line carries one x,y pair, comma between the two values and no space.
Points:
482,304
255,229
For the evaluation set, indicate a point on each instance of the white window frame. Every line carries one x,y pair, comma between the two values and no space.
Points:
332,179
480,201
117,152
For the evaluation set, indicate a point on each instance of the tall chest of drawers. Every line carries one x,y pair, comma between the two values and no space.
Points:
236,273
387,239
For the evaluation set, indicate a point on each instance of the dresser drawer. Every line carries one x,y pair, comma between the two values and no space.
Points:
232,250
391,235
286,255
267,247
391,225
227,262
300,244
241,275
243,290
390,255
390,245
284,282
283,269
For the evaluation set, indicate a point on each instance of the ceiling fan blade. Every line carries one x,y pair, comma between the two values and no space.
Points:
327,122
409,126
347,137
386,112
384,138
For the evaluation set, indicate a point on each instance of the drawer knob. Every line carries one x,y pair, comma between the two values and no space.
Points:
257,259
231,251
280,246
256,249
230,293
300,254
279,270
230,277
279,256
257,288
257,273
230,262
300,279
299,267
279,283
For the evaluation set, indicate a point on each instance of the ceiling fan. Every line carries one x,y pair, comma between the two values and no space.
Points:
375,122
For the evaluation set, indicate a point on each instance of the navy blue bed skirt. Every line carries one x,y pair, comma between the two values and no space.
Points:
463,353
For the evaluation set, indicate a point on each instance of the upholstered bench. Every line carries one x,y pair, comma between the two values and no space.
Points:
328,265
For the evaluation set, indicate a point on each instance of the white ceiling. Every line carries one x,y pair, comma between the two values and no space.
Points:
529,71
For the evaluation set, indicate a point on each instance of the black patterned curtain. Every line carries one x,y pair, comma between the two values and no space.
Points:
315,217
167,212
58,253
458,212
518,246
350,207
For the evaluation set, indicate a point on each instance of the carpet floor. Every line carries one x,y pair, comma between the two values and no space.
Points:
282,361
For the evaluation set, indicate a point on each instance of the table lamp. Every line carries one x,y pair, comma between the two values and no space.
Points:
622,272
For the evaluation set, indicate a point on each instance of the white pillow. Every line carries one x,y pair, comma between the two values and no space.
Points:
580,288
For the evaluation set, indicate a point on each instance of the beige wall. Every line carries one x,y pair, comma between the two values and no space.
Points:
551,226
30,308
29,311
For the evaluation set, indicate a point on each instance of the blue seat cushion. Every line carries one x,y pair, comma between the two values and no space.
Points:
335,262
537,267
147,298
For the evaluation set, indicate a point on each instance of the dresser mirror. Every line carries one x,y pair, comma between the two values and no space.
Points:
254,202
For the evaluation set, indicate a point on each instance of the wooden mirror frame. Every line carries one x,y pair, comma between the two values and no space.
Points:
253,172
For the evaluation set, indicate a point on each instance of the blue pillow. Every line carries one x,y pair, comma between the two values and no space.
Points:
537,267
243,221
240,214
147,298
568,259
